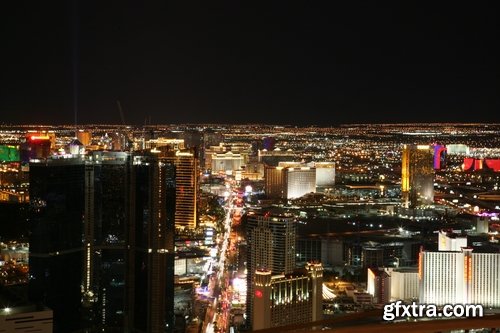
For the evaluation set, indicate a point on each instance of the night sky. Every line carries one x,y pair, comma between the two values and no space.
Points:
276,62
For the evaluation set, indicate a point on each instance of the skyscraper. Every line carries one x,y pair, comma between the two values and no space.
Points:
289,180
417,175
271,244
465,276
102,241
186,179
56,250
105,238
150,269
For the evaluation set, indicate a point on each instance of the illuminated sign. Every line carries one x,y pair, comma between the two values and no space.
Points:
258,294
9,154
39,137
468,268
420,266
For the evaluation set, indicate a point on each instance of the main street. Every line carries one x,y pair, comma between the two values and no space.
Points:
217,318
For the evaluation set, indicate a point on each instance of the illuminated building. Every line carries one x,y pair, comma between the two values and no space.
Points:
227,162
457,149
271,246
379,285
227,157
186,183
75,147
448,241
9,153
176,144
439,157
287,299
36,147
275,180
186,186
325,173
417,175
404,283
85,137
289,180
466,277
476,164
43,135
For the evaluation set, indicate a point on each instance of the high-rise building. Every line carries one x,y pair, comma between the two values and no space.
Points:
465,277
271,246
105,238
35,148
417,175
186,166
84,136
57,190
379,285
150,269
289,180
404,283
186,179
439,156
287,299
325,173
102,241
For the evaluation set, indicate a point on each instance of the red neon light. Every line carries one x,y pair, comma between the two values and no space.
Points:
258,293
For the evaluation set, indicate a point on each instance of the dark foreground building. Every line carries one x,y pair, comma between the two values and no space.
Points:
102,241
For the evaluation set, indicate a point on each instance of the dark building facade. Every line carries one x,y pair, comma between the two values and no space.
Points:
105,239
102,241
56,249
150,269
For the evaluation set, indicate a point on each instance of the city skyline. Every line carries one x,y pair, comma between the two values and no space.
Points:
187,228
299,64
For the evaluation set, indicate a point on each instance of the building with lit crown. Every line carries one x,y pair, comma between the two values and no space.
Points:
287,299
289,180
417,175
271,247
